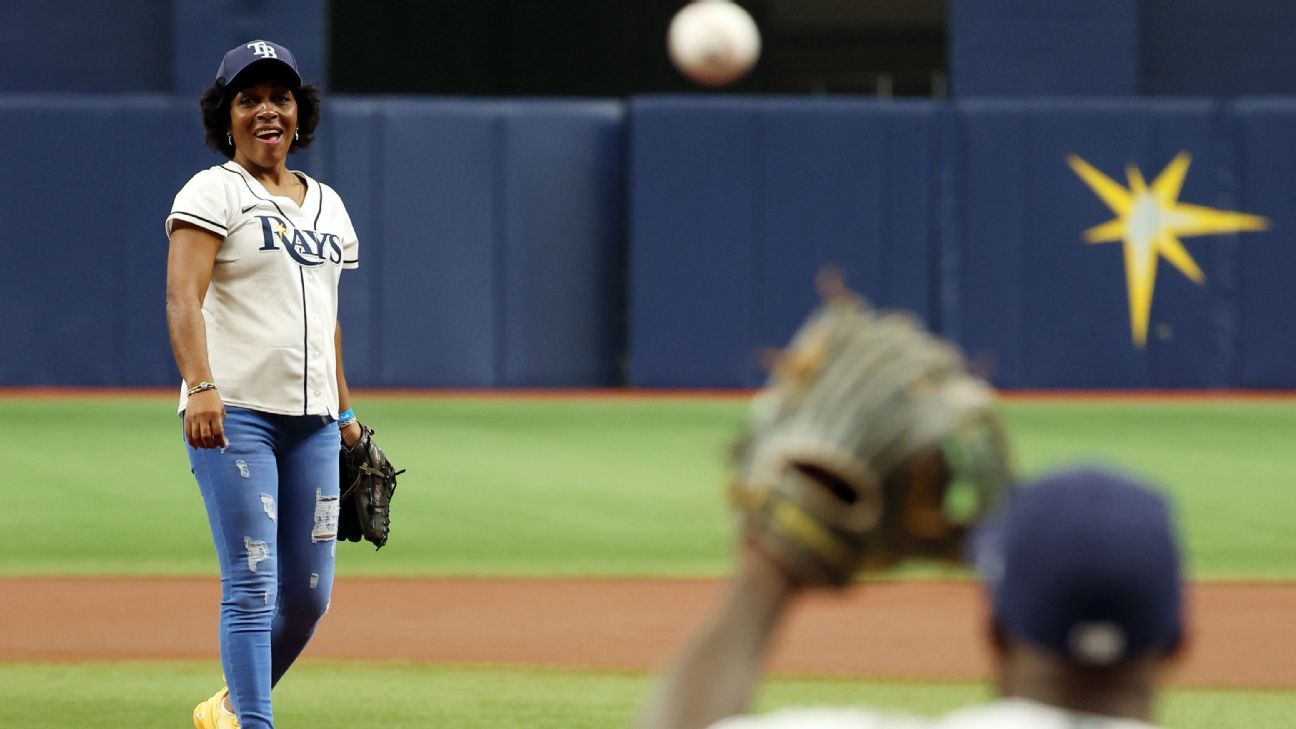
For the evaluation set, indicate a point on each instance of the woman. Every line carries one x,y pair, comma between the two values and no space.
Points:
256,251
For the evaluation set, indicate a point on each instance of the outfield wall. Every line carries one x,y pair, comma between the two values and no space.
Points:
492,238
968,214
661,242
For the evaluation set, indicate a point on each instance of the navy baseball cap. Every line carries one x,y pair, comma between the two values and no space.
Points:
240,58
1084,563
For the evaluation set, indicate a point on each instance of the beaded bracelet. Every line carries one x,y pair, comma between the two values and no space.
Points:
202,387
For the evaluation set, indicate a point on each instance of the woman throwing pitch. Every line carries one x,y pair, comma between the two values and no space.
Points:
256,251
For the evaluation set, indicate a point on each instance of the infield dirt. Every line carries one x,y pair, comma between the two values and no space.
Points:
1242,633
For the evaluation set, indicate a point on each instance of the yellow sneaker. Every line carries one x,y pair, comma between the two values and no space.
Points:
211,714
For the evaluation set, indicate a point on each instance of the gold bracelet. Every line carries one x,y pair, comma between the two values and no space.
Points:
202,387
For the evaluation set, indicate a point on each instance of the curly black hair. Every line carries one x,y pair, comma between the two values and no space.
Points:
215,104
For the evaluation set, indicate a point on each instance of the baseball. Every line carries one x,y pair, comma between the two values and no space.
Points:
713,42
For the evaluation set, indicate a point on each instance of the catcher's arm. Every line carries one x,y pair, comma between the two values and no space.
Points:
351,431
716,674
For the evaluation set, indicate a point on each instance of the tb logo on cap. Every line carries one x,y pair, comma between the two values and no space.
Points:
262,49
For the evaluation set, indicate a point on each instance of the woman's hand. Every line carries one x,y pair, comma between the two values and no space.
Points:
350,433
204,420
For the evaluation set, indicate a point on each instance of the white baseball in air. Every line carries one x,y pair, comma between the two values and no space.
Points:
713,42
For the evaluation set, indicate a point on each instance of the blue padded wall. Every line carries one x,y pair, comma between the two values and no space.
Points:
502,241
495,230
849,184
693,240
1266,164
736,203
438,202
84,285
491,241
60,281
142,191
491,234
967,214
1034,301
562,287
347,148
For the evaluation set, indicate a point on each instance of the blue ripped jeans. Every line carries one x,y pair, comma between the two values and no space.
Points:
272,502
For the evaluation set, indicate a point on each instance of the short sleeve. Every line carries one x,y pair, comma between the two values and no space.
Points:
201,202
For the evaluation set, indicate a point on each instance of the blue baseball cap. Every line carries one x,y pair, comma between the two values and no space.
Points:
1084,563
240,58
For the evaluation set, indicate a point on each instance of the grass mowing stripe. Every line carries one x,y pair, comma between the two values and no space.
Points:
589,487
327,695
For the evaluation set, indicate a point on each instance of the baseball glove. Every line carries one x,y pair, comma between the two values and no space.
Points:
870,444
368,481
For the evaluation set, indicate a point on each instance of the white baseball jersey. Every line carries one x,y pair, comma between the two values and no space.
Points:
271,307
1008,713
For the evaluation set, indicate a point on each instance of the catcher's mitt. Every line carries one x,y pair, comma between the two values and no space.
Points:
871,443
368,481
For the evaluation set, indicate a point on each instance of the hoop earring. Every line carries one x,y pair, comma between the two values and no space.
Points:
228,139
296,135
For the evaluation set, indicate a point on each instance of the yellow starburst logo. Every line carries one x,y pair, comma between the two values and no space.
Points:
1149,222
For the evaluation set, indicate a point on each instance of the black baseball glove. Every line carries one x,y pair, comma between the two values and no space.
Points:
368,481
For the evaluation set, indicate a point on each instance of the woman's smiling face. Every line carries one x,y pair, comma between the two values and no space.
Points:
263,120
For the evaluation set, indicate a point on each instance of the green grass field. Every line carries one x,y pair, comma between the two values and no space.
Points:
590,487
562,487
411,696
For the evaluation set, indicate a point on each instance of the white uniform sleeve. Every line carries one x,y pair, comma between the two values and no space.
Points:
202,202
822,718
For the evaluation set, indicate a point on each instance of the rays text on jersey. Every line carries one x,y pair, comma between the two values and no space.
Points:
308,248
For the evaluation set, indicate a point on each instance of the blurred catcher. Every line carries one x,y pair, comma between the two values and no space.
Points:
871,445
